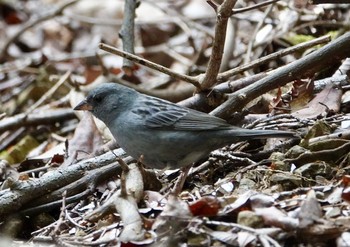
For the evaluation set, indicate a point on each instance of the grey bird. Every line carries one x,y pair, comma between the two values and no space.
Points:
165,135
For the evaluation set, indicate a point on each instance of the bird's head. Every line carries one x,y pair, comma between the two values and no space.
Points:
107,101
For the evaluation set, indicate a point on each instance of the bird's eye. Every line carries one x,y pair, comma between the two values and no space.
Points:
98,98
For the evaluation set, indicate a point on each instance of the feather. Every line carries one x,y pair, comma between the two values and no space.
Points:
161,114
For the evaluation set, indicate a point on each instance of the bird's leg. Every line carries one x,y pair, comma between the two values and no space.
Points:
140,160
141,167
181,180
125,169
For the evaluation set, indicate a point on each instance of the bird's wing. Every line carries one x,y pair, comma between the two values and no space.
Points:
196,120
163,114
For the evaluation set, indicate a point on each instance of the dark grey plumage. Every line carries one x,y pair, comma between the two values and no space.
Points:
166,134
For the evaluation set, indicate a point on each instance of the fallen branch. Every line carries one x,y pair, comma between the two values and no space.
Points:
20,193
36,118
304,67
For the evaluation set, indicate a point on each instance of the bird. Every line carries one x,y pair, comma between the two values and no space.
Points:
164,134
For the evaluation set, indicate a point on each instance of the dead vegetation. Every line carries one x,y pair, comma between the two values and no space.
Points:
272,65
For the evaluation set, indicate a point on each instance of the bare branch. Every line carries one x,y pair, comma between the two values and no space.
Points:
306,66
145,62
224,12
127,33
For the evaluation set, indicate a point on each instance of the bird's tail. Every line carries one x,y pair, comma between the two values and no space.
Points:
262,134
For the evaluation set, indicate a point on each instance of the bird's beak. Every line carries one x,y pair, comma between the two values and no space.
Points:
83,106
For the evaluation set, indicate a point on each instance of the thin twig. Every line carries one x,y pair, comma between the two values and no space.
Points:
247,57
145,62
304,67
42,117
305,45
49,93
241,10
62,216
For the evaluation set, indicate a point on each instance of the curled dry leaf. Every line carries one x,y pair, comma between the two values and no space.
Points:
329,99
86,140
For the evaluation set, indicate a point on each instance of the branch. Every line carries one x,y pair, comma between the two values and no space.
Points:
224,12
304,67
127,33
241,10
202,102
35,118
22,192
305,45
145,62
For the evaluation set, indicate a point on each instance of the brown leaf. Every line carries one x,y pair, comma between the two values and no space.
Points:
302,92
345,195
86,140
205,206
327,100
